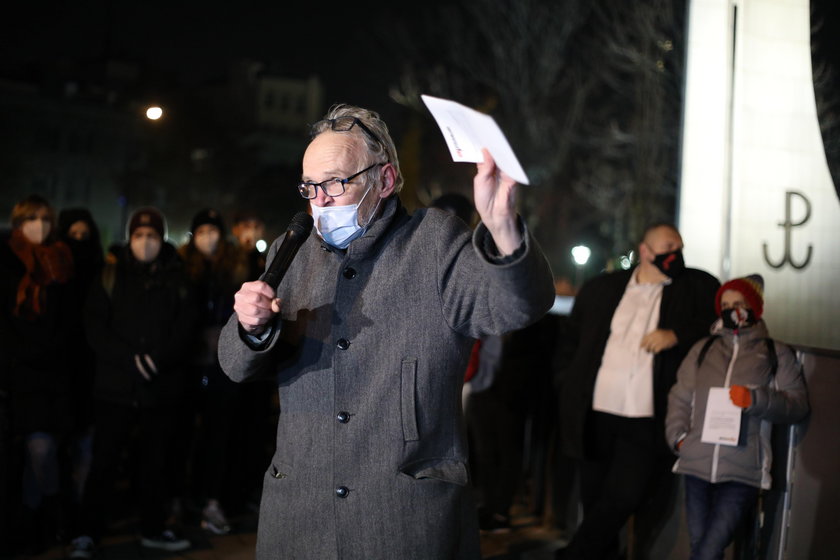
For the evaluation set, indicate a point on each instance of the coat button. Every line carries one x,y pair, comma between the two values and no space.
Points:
342,417
349,273
343,343
342,491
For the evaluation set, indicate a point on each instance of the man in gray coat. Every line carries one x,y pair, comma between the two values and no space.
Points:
368,338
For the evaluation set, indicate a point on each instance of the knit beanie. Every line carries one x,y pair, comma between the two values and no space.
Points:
751,287
149,217
208,216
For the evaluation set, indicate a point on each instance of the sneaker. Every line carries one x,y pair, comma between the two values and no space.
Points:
82,547
213,519
166,541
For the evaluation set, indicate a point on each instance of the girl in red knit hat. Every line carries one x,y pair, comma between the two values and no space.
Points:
731,387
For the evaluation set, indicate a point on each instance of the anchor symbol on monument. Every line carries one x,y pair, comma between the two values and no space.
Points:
788,226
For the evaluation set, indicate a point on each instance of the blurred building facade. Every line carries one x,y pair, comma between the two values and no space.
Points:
79,136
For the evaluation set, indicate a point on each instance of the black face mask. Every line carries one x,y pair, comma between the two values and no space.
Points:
670,264
737,318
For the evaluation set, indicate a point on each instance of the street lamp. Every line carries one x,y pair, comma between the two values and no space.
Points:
154,112
580,254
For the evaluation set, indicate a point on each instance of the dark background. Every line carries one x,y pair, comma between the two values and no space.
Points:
588,93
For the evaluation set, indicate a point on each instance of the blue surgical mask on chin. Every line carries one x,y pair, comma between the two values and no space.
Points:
339,225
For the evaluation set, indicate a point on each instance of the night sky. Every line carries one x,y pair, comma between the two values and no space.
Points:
190,42
181,46
349,45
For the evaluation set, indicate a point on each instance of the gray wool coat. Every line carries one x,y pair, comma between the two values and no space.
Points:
369,360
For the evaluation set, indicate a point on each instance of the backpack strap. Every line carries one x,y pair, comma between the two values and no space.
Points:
709,341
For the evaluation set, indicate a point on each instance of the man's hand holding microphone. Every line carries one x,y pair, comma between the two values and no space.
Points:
256,303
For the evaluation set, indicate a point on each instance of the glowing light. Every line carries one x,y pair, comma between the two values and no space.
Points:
581,254
154,113
262,245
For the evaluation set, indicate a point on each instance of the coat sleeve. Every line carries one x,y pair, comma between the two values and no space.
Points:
693,324
481,296
786,399
681,399
243,360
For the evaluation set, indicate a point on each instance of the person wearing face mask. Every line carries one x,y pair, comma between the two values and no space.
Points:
367,339
35,382
78,229
631,330
139,319
761,378
214,272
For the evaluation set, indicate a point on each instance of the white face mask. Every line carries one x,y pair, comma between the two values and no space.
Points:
207,242
339,225
145,249
36,230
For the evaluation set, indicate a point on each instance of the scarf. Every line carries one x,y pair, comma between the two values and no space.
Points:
45,265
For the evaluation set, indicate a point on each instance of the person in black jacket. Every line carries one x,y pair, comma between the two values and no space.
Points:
633,328
35,270
138,319
215,273
78,229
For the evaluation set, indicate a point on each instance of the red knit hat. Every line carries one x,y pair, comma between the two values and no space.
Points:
751,287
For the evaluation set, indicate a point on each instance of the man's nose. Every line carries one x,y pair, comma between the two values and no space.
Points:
321,198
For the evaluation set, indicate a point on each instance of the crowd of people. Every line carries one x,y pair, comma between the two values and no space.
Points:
419,375
109,373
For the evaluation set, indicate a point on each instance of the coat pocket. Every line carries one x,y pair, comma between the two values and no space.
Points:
278,471
444,469
408,391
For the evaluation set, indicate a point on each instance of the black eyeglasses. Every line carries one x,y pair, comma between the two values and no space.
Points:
331,187
346,124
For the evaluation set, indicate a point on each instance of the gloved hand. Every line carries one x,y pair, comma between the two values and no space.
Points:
740,396
145,366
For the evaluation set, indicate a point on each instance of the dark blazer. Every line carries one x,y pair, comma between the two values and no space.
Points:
687,308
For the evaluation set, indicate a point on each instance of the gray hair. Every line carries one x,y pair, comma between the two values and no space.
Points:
384,149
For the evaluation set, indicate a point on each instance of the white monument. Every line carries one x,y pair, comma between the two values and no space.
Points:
756,192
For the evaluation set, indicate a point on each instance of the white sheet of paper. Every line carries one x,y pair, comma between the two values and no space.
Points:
466,131
722,424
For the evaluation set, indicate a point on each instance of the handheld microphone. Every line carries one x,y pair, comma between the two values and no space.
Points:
297,232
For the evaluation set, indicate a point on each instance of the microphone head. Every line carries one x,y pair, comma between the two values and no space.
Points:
301,225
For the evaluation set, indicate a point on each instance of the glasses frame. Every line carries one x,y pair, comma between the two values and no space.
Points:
306,185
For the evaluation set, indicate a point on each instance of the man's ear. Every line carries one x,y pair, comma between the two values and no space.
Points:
389,180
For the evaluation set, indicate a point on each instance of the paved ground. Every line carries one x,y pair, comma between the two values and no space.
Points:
529,539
